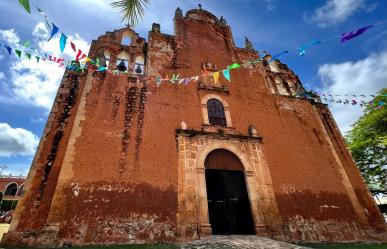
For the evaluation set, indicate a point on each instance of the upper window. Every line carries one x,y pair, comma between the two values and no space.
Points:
11,189
216,115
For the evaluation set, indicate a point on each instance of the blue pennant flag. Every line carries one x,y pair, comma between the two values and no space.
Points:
9,49
226,74
302,50
62,42
274,57
54,30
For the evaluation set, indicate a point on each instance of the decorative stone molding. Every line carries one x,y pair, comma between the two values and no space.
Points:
193,148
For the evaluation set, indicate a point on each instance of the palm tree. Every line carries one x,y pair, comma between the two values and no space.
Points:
131,10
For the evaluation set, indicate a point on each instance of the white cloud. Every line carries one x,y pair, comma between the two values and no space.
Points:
9,36
366,76
16,141
337,11
32,83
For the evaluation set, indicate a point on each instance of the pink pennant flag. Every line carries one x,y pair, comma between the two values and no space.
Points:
52,58
73,46
80,55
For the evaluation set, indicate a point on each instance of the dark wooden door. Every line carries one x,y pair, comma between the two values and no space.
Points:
228,202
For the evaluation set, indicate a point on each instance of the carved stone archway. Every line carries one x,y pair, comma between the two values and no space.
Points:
205,226
193,149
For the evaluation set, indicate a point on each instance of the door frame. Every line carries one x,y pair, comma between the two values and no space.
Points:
205,226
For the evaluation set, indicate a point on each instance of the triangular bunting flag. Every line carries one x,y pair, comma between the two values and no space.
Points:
37,59
101,69
62,42
28,56
350,35
233,66
226,74
274,57
186,81
216,77
9,49
80,55
73,46
18,52
54,30
158,81
26,5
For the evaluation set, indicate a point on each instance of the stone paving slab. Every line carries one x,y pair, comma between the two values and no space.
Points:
238,242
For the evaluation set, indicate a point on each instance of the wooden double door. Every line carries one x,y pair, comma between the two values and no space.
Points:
228,202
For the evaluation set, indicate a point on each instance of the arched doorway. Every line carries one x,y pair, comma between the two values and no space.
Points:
228,202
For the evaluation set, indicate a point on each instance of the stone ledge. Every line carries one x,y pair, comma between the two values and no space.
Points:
216,135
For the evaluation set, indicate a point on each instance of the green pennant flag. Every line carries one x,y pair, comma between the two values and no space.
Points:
26,5
37,59
28,56
26,44
18,52
235,65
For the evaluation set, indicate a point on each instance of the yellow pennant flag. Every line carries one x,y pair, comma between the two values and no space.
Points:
216,77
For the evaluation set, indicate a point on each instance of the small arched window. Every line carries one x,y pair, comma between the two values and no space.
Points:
216,115
11,189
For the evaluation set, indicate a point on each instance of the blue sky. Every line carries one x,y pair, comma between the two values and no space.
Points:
27,89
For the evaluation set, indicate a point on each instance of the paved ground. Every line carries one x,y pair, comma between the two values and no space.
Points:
238,242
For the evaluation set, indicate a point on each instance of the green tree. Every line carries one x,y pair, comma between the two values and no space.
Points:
368,143
131,10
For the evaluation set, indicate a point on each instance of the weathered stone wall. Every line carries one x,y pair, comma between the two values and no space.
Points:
114,165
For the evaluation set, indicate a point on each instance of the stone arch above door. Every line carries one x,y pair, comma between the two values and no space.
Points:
207,149
193,148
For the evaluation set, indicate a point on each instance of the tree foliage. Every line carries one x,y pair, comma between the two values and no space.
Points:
368,143
131,10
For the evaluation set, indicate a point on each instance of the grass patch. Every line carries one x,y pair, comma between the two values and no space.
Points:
346,246
133,246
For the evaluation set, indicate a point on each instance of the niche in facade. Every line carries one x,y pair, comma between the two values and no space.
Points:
126,39
122,61
139,65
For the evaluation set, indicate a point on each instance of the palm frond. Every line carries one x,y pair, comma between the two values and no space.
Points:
131,10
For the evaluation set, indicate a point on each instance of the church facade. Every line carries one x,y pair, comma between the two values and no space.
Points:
125,160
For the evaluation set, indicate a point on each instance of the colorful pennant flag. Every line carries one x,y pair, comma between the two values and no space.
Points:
62,42
350,35
28,56
158,81
80,55
45,17
9,49
233,66
226,74
54,30
26,5
302,50
186,81
18,52
274,57
73,46
216,77
101,69
37,59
